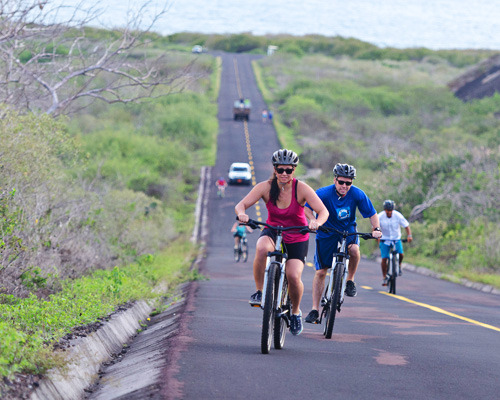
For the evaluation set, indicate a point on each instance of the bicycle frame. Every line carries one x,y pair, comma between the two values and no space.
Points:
276,318
281,258
341,257
334,292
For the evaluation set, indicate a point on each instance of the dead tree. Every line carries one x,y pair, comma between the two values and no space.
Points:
53,64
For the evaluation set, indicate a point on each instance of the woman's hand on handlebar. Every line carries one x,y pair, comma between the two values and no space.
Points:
313,224
243,218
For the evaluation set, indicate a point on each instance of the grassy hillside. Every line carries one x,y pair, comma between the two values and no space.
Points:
410,139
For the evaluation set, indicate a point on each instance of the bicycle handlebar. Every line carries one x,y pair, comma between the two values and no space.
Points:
255,225
364,235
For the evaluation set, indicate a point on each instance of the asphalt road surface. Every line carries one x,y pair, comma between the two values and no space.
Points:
437,340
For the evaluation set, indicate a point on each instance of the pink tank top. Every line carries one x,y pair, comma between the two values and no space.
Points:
293,215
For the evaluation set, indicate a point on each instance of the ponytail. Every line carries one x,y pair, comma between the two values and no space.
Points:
274,193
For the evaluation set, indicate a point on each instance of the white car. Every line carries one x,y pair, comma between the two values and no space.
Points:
197,49
240,173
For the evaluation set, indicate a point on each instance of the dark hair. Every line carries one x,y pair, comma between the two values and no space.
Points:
274,193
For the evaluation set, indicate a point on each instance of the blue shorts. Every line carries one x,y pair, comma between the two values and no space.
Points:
384,248
325,248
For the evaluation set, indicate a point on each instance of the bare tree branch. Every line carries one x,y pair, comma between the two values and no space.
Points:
49,65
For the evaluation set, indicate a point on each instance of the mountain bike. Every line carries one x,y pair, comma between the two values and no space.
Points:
242,251
275,297
333,297
394,269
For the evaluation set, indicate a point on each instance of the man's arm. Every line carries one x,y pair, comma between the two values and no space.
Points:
376,232
408,234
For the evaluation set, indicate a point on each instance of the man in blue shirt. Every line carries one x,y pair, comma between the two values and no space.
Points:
341,200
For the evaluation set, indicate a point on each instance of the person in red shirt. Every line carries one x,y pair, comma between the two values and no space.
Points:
221,186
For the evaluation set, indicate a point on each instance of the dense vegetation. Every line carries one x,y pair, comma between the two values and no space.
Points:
96,208
410,139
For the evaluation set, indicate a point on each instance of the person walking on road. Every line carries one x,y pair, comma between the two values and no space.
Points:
285,197
341,200
264,116
391,222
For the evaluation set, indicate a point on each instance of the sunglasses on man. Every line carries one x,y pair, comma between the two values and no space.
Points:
287,171
344,183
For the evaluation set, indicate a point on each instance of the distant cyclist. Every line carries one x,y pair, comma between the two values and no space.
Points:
341,199
239,232
221,186
391,222
284,196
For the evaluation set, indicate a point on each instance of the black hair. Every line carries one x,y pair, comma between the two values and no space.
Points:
274,193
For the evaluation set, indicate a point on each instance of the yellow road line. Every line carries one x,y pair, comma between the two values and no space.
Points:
440,310
247,136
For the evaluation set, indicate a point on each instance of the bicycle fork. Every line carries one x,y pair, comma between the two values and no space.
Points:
328,294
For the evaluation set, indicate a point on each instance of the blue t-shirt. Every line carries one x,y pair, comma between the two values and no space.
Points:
343,209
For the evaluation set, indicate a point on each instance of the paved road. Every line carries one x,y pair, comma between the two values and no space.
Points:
424,344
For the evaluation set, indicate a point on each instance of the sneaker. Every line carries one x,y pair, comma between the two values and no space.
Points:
256,299
350,289
385,281
312,317
296,324
400,271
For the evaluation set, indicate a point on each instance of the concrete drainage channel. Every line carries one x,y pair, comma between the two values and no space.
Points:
115,361
97,367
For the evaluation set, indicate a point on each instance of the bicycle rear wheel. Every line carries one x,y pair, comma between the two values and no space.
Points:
280,322
269,310
393,275
334,299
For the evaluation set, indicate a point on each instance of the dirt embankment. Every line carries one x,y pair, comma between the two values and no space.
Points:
480,81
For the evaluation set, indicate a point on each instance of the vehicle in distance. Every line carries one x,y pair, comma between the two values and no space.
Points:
197,49
240,173
241,109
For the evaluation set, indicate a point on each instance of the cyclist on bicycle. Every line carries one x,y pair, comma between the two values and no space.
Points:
284,197
391,222
341,200
221,185
239,232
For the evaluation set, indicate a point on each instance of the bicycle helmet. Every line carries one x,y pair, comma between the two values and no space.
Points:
345,171
285,157
388,205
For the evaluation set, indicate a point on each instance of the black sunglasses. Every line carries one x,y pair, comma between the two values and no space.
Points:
344,183
288,171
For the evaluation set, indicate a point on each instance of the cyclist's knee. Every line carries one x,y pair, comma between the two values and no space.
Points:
354,250
321,273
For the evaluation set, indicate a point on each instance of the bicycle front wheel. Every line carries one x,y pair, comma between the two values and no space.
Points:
393,275
269,310
334,299
280,321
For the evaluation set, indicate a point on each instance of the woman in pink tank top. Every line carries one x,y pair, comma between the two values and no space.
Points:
284,197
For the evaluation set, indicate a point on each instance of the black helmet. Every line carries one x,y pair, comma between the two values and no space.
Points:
388,205
345,171
285,157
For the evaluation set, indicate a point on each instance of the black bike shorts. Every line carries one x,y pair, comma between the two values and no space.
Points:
296,250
